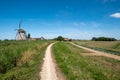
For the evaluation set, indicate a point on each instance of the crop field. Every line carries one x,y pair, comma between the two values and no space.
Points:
75,66
106,46
21,60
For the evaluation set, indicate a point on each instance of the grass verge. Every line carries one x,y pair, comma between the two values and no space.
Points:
78,67
28,63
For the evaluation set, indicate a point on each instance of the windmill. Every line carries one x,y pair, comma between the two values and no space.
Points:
21,34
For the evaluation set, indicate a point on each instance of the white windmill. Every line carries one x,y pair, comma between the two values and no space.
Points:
21,34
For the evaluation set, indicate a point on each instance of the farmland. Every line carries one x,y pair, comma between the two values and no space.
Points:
21,60
75,66
105,46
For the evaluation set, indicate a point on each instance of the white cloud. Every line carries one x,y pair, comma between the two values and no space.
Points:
79,24
105,1
95,24
115,15
75,24
83,24
86,24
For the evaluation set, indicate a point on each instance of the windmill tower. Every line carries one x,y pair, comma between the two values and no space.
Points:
21,34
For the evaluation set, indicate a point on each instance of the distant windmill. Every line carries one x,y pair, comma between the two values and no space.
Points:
21,34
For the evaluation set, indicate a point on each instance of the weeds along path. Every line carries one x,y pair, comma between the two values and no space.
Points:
98,53
49,71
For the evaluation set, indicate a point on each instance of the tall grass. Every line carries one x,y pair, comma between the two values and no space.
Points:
21,60
78,67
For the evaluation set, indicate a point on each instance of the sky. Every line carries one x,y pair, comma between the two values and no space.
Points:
75,19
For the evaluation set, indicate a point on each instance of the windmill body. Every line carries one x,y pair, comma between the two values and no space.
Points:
21,34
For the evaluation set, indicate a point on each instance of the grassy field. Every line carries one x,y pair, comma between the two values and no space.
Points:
21,60
107,46
78,67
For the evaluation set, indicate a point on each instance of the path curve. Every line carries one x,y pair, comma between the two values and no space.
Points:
48,69
99,53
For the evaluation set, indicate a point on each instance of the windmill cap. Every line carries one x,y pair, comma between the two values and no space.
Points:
21,30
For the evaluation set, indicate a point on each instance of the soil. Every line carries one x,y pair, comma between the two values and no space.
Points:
50,69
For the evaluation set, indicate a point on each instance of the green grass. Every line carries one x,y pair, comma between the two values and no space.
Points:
15,64
78,67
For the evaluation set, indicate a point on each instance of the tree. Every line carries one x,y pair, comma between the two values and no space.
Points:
28,35
60,38
6,40
94,39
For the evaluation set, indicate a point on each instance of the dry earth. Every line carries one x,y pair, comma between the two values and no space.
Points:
50,70
98,53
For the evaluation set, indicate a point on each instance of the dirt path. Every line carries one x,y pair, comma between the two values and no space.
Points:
98,53
50,70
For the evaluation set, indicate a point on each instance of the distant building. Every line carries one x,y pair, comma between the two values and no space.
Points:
33,39
66,39
42,38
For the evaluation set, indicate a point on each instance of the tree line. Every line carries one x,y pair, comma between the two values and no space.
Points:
103,39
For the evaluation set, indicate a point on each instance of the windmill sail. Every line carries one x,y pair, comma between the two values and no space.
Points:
20,24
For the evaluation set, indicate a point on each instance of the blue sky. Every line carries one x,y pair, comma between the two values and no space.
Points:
76,19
